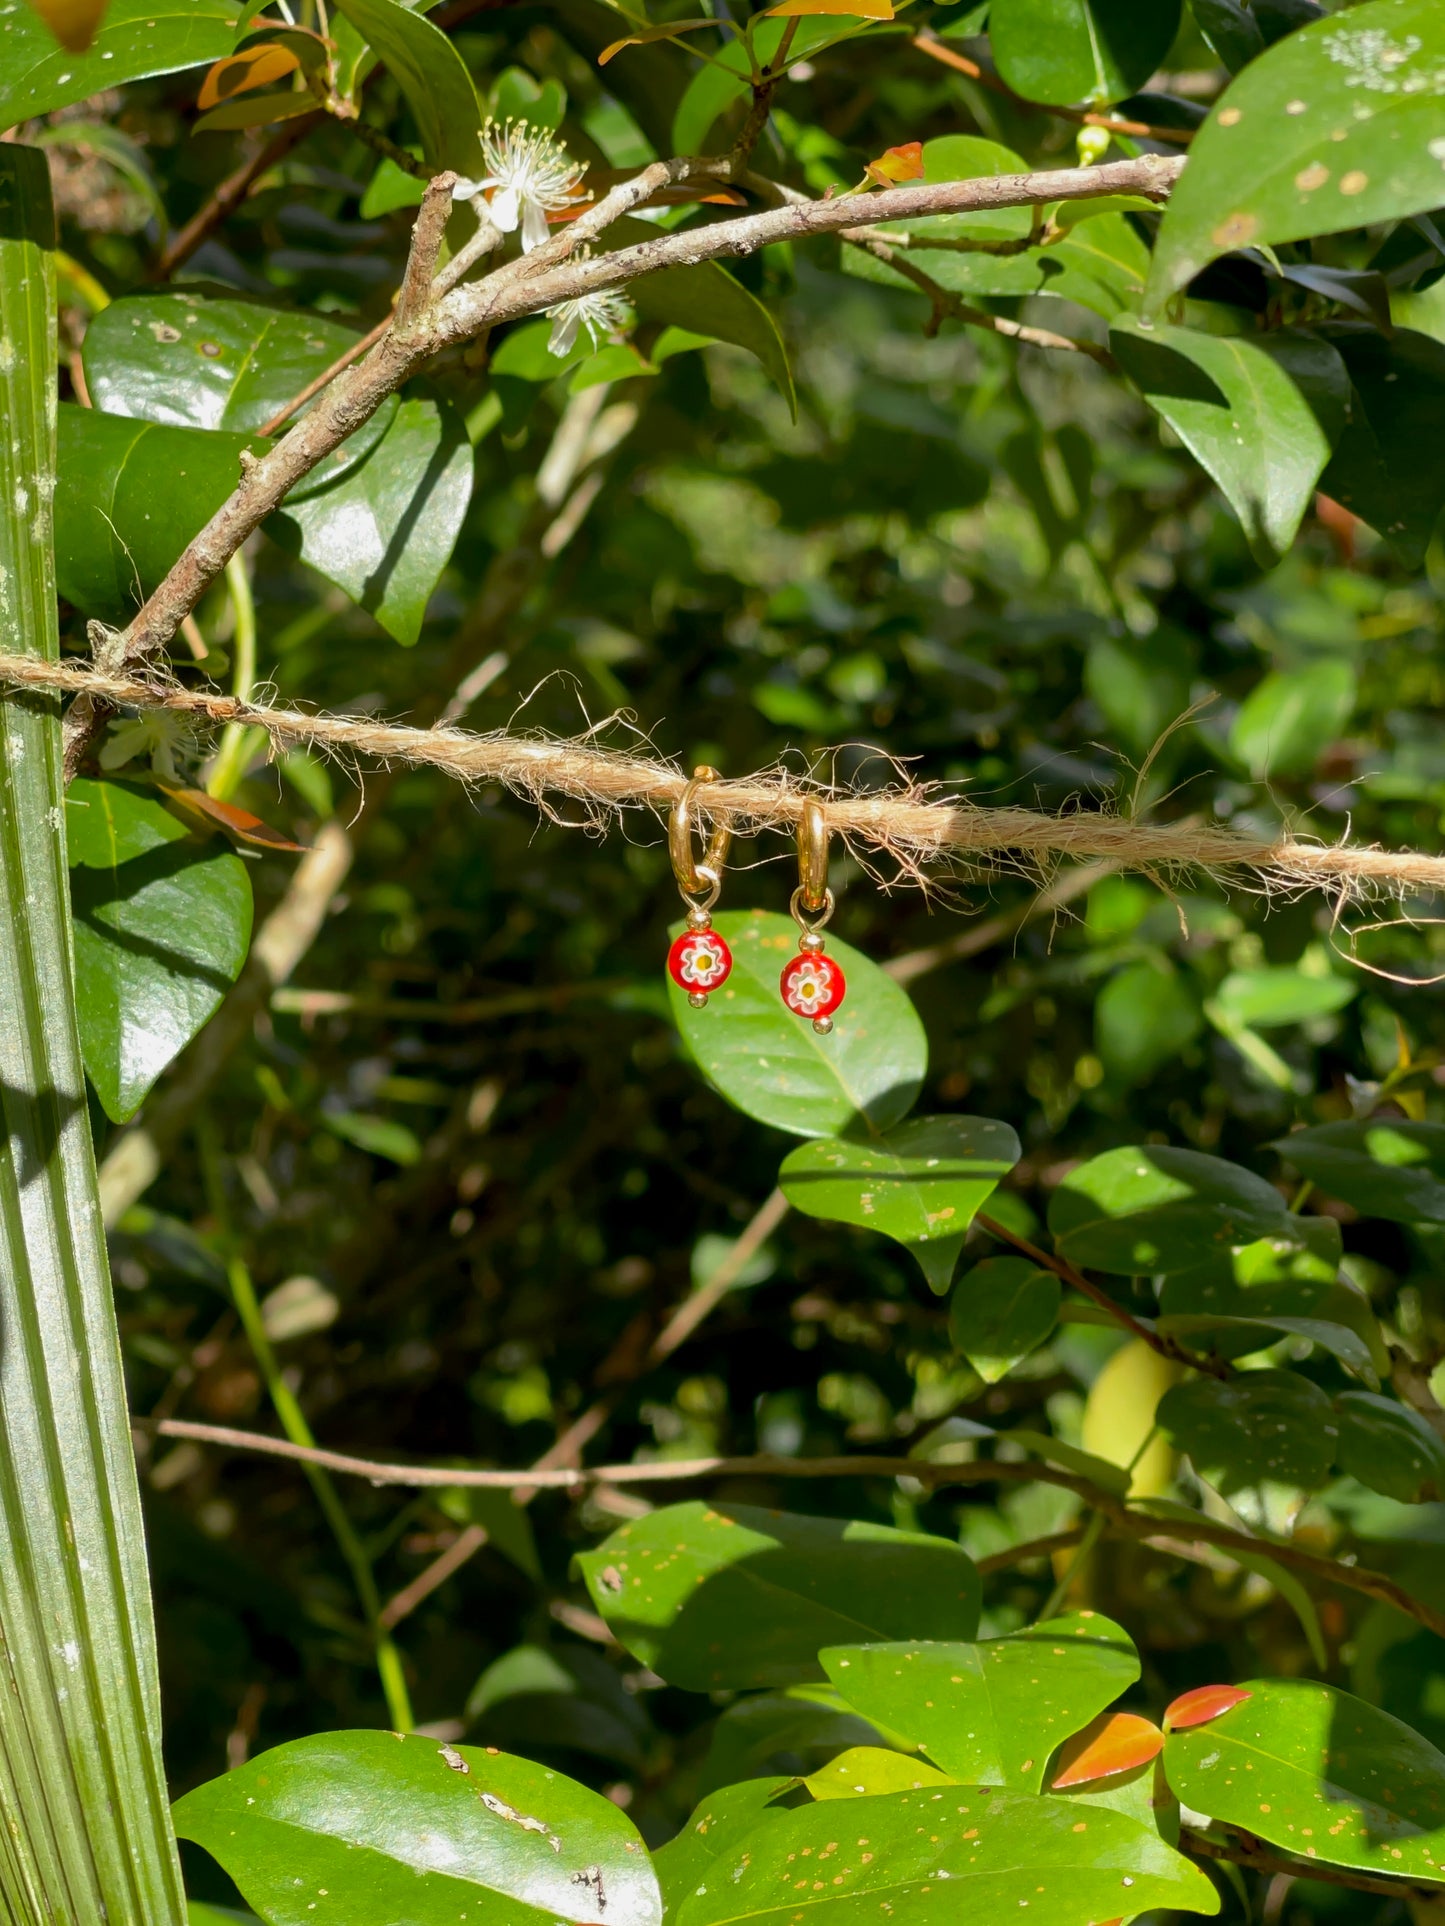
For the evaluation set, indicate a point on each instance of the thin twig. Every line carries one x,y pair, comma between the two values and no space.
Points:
1256,1857
230,194
362,345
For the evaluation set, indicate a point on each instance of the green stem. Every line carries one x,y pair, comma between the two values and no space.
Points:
238,738
1093,1531
293,1422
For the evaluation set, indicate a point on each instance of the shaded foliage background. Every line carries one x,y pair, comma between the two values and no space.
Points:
493,1160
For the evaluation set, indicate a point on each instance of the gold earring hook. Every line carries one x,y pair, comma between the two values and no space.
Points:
704,878
813,891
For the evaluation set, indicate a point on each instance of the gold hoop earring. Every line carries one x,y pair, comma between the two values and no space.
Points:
699,961
813,985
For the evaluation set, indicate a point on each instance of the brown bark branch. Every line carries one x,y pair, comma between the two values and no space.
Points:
230,194
1257,1857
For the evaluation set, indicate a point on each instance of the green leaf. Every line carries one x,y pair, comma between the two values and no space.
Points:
1390,1448
201,1914
1260,1426
385,531
933,1857
162,926
508,1527
432,76
1096,50
82,1783
921,1183
718,1825
724,81
1387,468
1259,413
383,1828
1266,999
706,300
1288,720
378,1136
1335,127
1320,1773
1230,29
992,1714
134,40
1159,1209
209,358
1000,1311
130,496
774,1066
805,1719
729,1595
1143,1017
865,1769
1386,1167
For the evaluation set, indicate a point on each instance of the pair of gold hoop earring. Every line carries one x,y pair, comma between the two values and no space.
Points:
812,984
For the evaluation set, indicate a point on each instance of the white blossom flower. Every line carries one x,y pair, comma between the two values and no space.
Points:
601,314
531,176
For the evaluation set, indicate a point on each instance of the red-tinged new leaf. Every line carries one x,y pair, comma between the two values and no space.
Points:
1116,1742
1205,1702
242,72
897,164
669,31
238,823
856,9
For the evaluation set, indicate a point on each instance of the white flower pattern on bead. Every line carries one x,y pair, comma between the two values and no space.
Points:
810,984
702,961
531,175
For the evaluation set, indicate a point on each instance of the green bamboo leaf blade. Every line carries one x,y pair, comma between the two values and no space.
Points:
1320,1773
1156,1208
1337,126
370,1828
1262,1426
1000,1311
81,1780
941,1854
1260,414
1057,51
992,1713
774,1067
431,74
384,531
1386,1167
728,1595
135,40
922,1183
162,927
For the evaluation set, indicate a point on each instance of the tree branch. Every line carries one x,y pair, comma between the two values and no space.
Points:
540,280
1255,1857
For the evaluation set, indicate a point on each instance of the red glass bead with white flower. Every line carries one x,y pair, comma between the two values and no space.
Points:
813,985
699,961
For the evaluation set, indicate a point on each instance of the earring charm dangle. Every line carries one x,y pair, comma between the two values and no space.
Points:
699,960
813,985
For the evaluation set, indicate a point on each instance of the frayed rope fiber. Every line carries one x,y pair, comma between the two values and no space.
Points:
909,824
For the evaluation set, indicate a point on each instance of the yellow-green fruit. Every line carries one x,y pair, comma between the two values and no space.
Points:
1120,1414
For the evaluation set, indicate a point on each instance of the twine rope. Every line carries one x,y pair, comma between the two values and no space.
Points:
914,825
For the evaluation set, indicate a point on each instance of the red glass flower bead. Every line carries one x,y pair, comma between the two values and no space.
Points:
813,986
699,961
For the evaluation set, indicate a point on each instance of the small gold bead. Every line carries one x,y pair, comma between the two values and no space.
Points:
698,999
823,1025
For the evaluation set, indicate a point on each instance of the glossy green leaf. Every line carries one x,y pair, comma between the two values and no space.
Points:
1231,30
1261,1426
1160,1209
992,1713
1143,1017
130,495
723,82
201,1914
507,1525
1385,1167
82,1783
1267,998
806,1720
1095,50
931,1858
1386,468
730,1595
865,1769
1287,721
774,1066
1260,413
706,300
1390,1448
721,1821
1337,126
1320,1773
1000,1311
372,1828
384,531
135,39
920,1183
209,358
432,76
162,926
